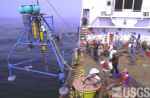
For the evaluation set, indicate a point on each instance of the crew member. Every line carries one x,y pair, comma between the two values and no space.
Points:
93,76
115,63
125,77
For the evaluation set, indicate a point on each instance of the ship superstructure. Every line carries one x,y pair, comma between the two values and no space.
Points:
123,16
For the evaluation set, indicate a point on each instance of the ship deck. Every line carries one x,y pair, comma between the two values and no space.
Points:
139,71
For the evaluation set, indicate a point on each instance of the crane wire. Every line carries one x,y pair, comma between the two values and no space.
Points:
57,13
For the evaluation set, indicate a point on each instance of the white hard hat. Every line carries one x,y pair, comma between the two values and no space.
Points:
102,62
129,46
43,28
94,71
63,91
114,51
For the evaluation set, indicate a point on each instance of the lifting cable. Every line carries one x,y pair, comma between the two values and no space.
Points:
59,15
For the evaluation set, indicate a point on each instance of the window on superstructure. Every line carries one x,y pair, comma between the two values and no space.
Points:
85,17
134,5
137,5
86,12
128,4
118,5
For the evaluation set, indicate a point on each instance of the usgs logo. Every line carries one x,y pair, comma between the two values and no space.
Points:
131,92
